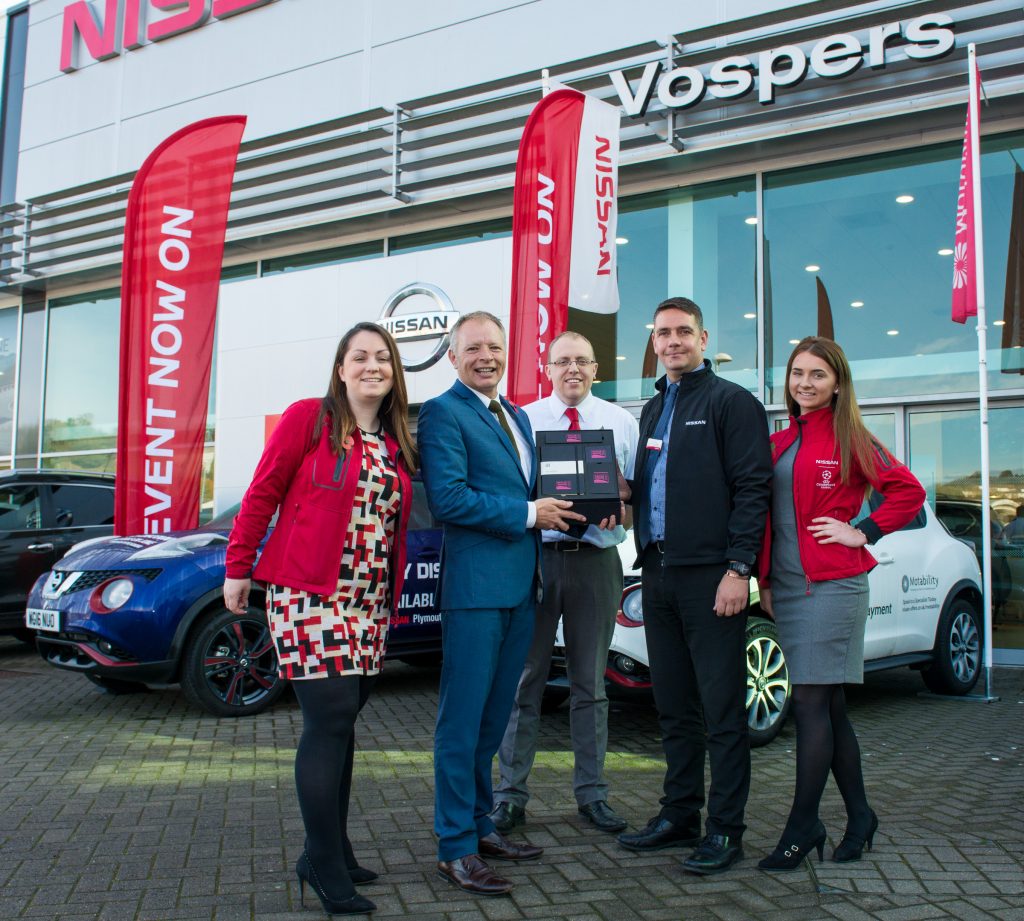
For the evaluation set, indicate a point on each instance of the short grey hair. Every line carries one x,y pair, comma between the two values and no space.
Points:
479,315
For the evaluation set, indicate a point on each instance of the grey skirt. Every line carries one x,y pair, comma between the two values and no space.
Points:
821,633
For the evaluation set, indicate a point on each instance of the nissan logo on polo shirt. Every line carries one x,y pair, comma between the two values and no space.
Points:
433,326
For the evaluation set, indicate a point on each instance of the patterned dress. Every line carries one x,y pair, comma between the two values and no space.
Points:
320,636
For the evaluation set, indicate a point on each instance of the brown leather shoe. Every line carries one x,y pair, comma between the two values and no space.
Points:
498,847
471,874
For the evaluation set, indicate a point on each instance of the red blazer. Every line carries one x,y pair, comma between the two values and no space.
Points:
315,489
818,492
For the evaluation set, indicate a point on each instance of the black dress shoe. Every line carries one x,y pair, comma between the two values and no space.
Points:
660,833
600,815
497,847
471,874
507,816
714,854
852,845
360,876
790,852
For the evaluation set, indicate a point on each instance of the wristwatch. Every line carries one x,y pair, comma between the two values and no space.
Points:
741,569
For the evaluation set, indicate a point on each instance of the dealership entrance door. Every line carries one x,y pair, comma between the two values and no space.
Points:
944,453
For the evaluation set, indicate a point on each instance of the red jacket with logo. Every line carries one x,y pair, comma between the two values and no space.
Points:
818,492
315,489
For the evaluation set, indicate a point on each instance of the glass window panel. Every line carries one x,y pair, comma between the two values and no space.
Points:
883,427
82,506
450,236
693,242
944,455
232,273
80,409
876,233
13,98
8,374
206,486
20,509
30,379
87,463
321,257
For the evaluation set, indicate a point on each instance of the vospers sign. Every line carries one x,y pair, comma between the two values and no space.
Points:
170,278
124,25
734,76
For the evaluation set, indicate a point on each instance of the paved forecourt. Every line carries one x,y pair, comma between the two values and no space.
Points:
137,807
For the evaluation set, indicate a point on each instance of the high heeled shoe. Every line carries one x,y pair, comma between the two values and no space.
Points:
354,905
788,855
852,845
360,876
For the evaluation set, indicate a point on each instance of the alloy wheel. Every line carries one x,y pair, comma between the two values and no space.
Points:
240,662
768,684
964,646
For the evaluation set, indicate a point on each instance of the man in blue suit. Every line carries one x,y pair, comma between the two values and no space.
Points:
478,466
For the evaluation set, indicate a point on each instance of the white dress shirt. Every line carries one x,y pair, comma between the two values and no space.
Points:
548,415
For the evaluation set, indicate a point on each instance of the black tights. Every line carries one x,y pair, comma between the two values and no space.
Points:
824,740
323,772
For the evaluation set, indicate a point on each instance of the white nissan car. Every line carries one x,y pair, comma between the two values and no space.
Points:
924,613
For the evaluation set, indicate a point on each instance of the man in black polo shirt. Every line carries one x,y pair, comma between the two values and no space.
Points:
700,499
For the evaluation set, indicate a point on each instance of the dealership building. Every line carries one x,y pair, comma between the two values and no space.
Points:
774,156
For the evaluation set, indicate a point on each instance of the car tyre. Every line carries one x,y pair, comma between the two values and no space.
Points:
230,664
116,685
768,687
24,635
957,664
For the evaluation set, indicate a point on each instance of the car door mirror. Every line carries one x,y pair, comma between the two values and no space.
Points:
65,518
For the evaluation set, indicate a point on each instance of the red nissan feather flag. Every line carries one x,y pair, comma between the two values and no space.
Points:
965,256
563,229
170,279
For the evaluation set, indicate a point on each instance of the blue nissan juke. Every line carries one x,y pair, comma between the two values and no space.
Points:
127,612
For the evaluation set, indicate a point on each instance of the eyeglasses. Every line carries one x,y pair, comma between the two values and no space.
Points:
581,363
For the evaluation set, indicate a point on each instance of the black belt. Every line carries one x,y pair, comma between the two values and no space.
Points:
570,546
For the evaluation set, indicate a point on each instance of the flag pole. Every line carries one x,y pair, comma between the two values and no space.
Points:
979,275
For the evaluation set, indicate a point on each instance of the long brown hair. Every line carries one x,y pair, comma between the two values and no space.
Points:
855,441
336,412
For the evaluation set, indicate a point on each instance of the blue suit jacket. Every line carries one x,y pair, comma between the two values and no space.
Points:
476,488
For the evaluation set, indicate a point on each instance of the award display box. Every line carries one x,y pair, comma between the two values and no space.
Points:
580,467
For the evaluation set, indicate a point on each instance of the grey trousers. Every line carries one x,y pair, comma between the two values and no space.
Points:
583,587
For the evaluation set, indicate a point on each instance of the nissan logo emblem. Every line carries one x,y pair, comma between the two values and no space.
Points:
423,326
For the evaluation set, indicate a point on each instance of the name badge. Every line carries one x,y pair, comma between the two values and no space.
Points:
653,444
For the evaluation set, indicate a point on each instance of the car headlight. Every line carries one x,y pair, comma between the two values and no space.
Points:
111,595
178,546
632,611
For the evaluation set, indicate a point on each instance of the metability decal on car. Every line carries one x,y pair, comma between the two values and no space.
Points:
912,598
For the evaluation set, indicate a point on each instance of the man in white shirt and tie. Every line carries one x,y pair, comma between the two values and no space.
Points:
583,586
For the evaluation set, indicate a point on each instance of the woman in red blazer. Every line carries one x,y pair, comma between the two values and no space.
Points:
813,579
338,472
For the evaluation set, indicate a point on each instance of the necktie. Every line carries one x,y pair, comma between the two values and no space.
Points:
495,407
573,415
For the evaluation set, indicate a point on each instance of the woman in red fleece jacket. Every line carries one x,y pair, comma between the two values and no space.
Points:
339,469
813,580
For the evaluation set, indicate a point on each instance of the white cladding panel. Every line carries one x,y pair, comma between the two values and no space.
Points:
276,337
297,62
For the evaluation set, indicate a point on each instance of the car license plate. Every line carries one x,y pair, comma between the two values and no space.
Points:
41,619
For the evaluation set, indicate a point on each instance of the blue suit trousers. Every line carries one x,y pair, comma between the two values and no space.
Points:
484,653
